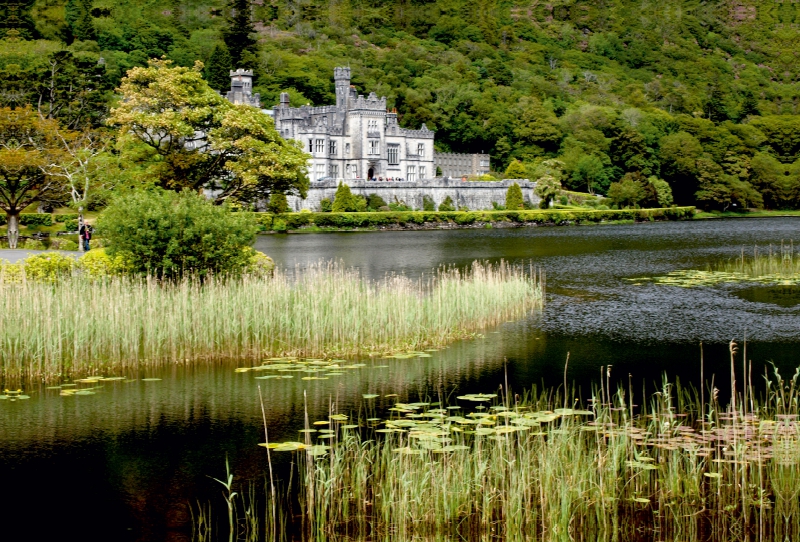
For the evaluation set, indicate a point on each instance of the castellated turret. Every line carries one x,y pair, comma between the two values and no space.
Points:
242,89
341,77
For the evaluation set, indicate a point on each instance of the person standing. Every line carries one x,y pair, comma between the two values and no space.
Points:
85,234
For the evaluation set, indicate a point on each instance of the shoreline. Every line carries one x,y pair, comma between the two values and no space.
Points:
309,222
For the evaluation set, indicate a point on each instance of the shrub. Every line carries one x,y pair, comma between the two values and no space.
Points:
98,263
428,204
10,273
278,203
168,234
71,225
35,219
344,201
48,267
59,243
374,201
32,244
546,188
258,263
399,206
515,170
447,205
514,197
325,205
66,216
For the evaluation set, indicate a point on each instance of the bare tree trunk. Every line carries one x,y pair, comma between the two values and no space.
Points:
13,229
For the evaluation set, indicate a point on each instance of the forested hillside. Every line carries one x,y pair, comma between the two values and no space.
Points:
704,95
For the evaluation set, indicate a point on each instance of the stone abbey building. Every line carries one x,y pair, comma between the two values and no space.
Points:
358,139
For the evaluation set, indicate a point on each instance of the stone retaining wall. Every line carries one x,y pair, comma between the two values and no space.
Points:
472,195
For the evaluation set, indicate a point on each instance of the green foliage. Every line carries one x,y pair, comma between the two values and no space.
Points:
48,267
277,203
515,170
428,204
219,67
355,220
626,193
514,199
60,218
36,219
98,264
325,205
447,205
604,90
167,234
248,160
375,202
239,33
32,244
546,188
663,191
344,201
259,264
60,243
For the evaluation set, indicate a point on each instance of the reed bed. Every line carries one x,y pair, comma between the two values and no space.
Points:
777,261
79,325
528,468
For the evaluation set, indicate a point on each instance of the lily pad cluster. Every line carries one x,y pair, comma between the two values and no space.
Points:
13,395
690,278
316,368
83,386
424,427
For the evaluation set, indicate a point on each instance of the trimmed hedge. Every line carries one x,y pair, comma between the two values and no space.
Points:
293,221
65,217
35,219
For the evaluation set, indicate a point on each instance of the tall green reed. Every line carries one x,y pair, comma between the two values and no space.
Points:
527,468
80,325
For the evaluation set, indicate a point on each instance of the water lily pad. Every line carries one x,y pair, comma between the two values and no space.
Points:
370,395
151,379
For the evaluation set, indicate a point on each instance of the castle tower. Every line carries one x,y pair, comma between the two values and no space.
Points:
242,89
342,78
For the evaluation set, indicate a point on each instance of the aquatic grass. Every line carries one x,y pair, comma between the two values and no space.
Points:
79,325
765,265
527,468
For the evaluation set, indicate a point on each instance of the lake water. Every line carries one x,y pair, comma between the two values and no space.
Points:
127,463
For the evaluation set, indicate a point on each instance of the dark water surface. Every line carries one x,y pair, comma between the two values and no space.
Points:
126,463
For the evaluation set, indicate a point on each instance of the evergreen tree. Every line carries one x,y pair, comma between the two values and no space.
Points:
749,105
514,201
515,170
715,107
238,35
447,205
81,24
218,69
277,203
343,201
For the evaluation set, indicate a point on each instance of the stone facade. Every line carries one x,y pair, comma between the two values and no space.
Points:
357,138
241,92
456,165
473,195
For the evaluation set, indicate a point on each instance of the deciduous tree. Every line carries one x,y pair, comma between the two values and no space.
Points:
197,139
28,144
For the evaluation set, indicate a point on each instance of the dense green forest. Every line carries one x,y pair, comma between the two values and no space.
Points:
701,94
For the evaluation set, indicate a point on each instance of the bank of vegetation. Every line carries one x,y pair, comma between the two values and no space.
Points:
622,99
74,324
541,467
457,219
